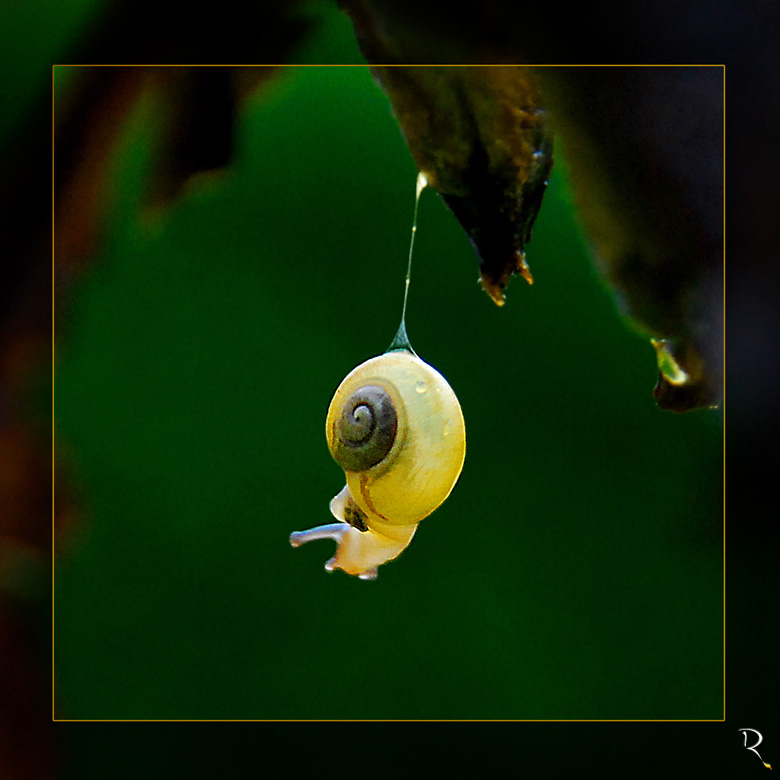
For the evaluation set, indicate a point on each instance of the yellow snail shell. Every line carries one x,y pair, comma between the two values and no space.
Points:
396,428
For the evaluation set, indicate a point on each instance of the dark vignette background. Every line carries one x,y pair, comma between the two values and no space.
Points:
745,558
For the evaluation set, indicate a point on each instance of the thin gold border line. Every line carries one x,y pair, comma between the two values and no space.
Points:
391,720
53,203
387,720
381,65
723,385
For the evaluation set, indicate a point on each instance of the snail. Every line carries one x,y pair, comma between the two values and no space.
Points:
396,428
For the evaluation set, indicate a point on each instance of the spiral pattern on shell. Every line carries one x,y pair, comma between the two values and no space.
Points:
366,429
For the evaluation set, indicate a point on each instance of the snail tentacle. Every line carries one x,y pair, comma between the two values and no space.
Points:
333,531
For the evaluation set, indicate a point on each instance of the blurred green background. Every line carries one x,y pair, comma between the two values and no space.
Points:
576,571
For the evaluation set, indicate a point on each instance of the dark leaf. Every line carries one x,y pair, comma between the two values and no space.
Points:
645,149
479,136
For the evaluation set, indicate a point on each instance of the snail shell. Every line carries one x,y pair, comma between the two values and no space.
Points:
396,428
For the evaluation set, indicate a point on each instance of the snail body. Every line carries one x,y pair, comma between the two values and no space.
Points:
396,428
